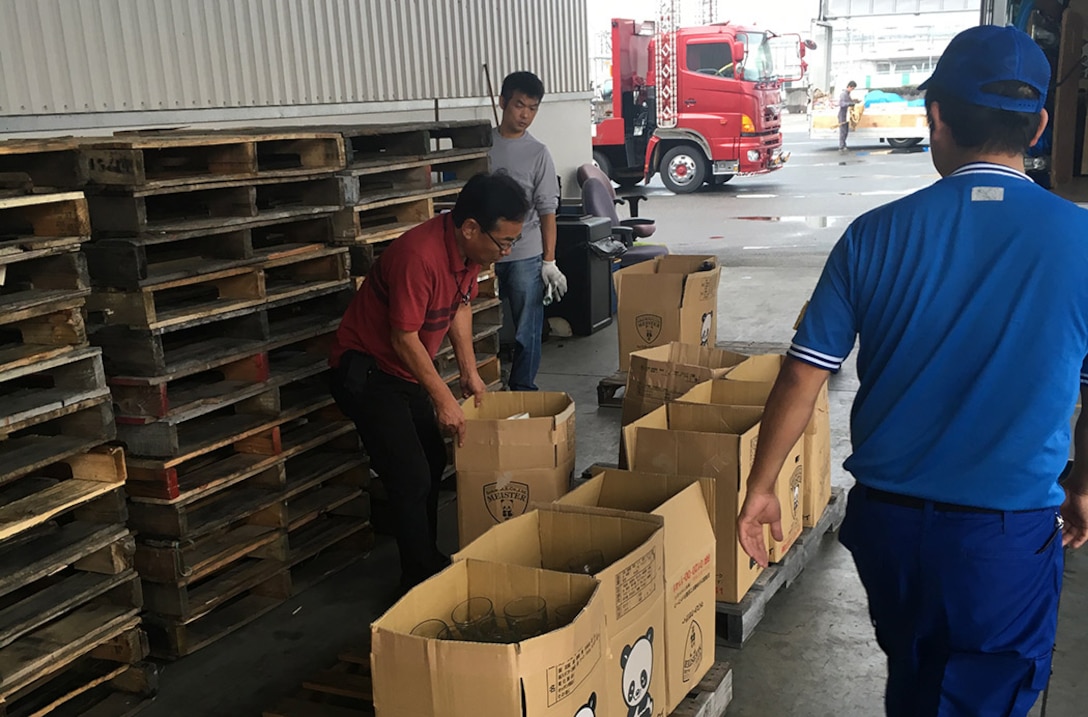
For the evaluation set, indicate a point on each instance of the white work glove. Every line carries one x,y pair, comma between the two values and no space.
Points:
555,284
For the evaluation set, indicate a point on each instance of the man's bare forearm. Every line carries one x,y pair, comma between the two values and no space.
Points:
461,338
414,355
548,235
789,408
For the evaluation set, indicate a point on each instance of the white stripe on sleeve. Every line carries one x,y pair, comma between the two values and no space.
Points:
820,360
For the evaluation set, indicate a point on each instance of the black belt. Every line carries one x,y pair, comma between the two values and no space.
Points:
908,501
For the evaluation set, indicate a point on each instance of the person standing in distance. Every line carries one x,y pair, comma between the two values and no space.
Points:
957,521
529,272
845,103
383,375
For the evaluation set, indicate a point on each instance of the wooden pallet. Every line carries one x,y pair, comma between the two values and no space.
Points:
486,320
42,335
326,547
343,690
172,639
712,696
39,217
31,394
379,145
609,387
91,479
201,388
49,162
383,217
55,435
143,352
486,347
153,487
180,302
737,622
133,262
346,690
170,159
306,272
109,680
195,209
378,182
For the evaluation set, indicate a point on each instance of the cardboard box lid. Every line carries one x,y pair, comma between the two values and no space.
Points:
414,675
665,276
548,537
682,354
724,391
494,441
642,492
694,439
763,368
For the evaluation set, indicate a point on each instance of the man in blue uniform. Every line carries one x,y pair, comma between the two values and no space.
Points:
970,300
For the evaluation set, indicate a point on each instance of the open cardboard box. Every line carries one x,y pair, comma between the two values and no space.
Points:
508,460
663,373
671,298
716,442
632,588
553,675
749,384
689,562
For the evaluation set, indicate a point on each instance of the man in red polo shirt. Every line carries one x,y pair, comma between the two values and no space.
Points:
418,292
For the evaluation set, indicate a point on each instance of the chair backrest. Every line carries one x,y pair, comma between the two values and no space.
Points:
591,170
597,201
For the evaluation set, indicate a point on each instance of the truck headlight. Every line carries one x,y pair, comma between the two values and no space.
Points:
753,155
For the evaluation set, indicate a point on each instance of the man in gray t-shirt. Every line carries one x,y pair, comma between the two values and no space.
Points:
527,272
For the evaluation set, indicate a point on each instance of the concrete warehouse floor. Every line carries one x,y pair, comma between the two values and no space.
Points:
814,654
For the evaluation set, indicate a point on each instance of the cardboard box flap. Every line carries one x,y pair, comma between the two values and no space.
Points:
729,393
514,541
500,405
658,418
701,288
693,355
653,291
637,491
687,453
713,418
763,368
685,263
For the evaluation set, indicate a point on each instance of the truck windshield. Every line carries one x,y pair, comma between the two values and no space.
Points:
758,63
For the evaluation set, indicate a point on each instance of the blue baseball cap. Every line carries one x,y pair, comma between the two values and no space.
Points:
988,53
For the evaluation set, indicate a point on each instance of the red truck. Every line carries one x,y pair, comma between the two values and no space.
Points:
697,104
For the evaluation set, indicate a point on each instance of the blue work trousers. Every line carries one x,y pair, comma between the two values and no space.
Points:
964,602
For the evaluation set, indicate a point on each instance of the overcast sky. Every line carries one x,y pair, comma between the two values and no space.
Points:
779,15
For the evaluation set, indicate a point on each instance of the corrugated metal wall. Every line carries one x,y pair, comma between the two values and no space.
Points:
87,56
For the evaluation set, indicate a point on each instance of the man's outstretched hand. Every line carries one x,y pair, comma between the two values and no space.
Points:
1075,514
759,509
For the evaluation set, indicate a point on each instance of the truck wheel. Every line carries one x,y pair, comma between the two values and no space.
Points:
904,143
683,169
602,163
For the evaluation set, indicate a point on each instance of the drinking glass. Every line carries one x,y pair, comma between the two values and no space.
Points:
527,616
431,629
475,619
565,614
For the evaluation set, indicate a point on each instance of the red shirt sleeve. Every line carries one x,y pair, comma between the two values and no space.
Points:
409,281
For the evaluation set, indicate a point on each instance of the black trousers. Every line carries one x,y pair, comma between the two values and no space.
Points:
396,421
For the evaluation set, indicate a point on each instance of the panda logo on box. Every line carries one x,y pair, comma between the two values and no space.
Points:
637,662
589,709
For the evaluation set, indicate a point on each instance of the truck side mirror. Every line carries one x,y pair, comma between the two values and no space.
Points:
738,53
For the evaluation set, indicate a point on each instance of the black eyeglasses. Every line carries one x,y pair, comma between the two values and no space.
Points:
503,247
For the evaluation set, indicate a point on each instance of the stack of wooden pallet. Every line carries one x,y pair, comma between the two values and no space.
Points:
396,177
216,294
70,637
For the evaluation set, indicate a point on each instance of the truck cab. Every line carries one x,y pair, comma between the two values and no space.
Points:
702,111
